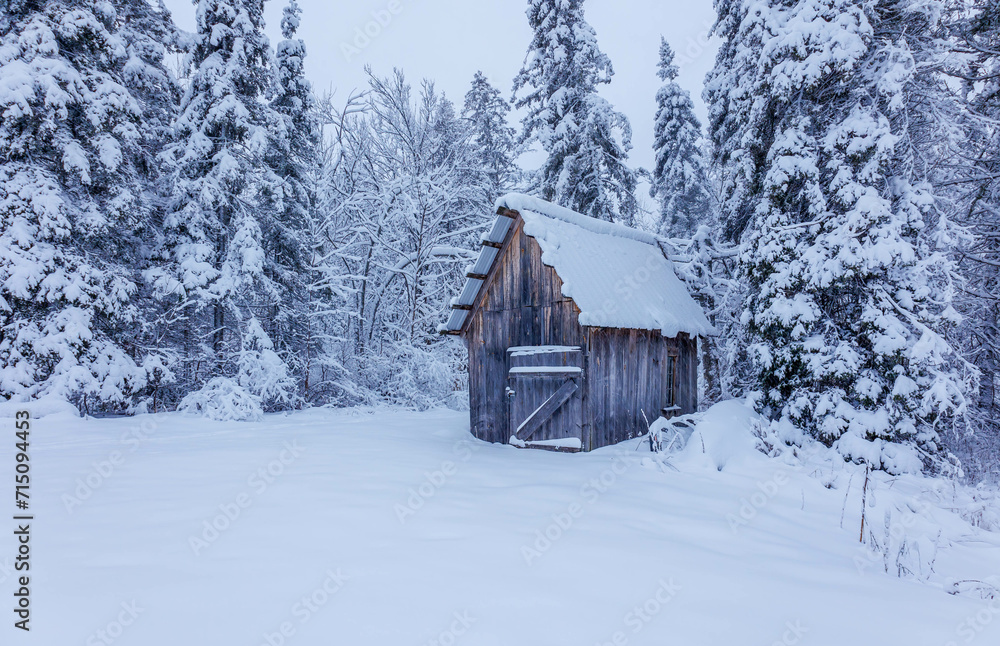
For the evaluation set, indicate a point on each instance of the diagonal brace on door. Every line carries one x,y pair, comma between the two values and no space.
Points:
534,421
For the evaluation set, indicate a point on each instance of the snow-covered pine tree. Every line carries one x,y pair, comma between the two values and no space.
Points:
738,147
850,295
215,271
586,139
149,35
731,94
445,128
680,181
486,111
290,193
974,186
687,218
86,98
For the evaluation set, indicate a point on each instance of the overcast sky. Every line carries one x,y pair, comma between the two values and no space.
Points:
448,40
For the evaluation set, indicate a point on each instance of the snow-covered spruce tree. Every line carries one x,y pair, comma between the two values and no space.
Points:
739,137
850,297
85,101
586,140
486,111
732,94
680,180
687,220
973,184
293,158
215,272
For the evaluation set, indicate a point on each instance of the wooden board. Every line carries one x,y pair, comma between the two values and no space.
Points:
526,429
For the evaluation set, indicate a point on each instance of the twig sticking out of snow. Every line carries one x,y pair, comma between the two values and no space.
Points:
864,502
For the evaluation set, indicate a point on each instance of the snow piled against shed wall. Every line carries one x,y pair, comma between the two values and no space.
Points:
617,276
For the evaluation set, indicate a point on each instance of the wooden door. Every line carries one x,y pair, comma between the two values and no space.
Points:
545,394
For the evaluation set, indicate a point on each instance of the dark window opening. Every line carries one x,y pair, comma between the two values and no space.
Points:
671,381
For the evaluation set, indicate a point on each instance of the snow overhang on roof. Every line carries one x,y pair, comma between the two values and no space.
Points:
619,277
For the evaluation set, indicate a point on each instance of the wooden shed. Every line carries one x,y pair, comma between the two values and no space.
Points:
578,330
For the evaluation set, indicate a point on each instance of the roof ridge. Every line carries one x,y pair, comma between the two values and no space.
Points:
521,202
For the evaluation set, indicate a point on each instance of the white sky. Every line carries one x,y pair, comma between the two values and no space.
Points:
448,40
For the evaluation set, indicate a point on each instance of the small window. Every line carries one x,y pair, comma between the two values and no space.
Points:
671,381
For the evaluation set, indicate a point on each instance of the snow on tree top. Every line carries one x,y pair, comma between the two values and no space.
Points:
617,276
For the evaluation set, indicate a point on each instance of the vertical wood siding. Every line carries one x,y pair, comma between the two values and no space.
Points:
522,304
627,381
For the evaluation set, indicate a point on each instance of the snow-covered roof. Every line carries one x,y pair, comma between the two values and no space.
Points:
617,276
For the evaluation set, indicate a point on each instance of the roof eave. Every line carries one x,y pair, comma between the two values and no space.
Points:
485,279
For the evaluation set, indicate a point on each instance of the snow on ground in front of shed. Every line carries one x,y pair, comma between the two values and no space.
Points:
392,527
617,276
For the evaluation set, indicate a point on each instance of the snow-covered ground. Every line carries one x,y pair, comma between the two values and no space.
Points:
390,527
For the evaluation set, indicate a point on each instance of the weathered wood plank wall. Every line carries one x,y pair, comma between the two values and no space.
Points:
687,374
628,377
521,305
